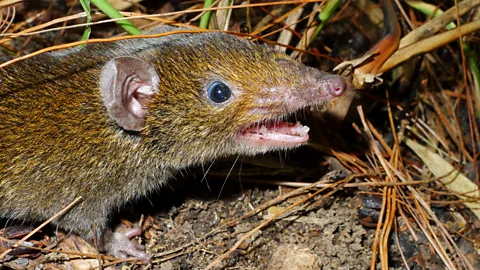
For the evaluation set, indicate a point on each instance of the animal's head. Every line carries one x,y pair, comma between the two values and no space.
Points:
212,94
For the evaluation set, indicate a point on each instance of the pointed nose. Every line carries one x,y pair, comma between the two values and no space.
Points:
337,85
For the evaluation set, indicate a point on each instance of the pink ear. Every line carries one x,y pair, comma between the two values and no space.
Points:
126,84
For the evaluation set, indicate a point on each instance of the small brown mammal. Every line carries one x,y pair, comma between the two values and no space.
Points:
112,122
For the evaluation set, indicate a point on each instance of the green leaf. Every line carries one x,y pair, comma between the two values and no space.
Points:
86,7
111,12
205,20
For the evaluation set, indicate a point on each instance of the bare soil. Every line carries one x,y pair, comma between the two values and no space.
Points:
329,229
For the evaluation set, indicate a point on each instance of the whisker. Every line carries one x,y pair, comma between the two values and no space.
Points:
150,201
225,181
240,173
205,176
280,159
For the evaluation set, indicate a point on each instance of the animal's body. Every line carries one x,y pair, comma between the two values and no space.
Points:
112,122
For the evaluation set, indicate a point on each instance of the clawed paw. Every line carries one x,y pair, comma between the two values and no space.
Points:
122,247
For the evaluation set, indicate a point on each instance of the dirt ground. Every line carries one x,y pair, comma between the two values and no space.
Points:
329,230
325,235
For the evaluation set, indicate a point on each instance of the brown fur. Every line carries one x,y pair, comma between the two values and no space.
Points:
57,142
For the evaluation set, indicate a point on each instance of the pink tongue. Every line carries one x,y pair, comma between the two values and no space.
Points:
280,134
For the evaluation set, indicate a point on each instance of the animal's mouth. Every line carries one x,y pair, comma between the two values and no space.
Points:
271,134
274,134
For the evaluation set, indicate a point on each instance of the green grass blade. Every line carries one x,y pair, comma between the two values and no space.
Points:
111,12
205,20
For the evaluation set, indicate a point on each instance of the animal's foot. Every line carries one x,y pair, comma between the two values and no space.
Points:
120,245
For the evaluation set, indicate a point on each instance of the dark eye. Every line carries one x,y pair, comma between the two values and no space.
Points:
218,92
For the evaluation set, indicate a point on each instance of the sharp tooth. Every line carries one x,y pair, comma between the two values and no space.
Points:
263,129
300,130
304,130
